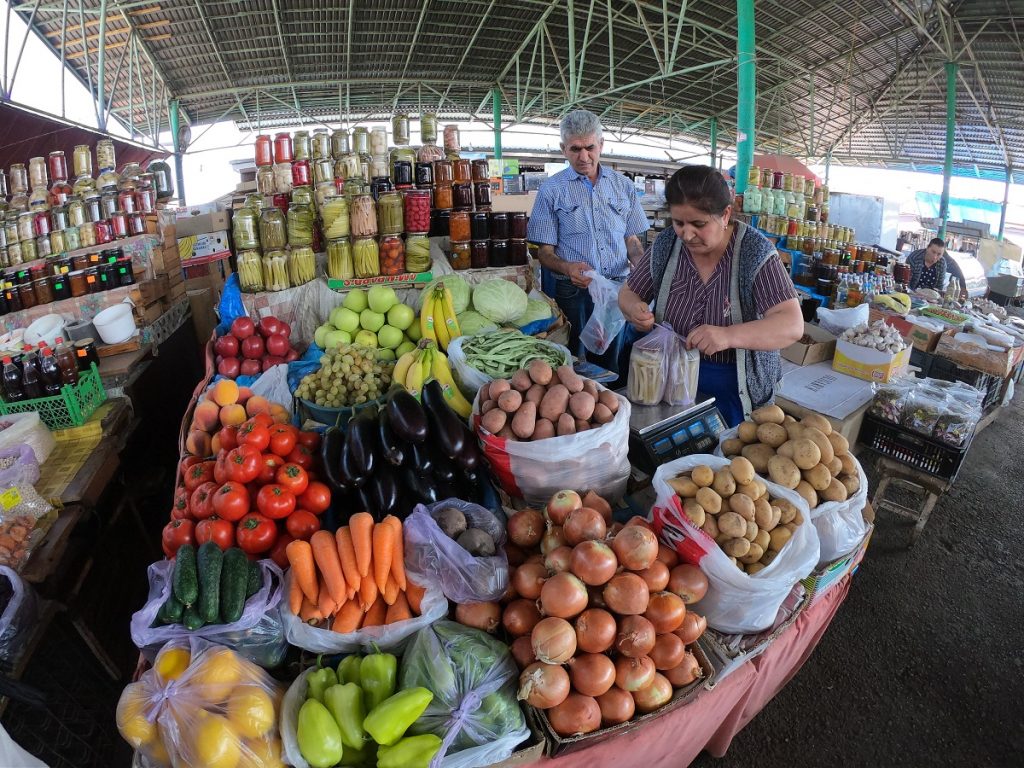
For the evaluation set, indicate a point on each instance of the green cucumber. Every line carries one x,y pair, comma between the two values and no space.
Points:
184,580
255,582
191,619
209,562
170,612
234,576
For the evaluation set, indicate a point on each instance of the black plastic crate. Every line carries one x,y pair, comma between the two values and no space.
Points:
946,370
933,457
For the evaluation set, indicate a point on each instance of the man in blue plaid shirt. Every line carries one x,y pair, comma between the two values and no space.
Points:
587,217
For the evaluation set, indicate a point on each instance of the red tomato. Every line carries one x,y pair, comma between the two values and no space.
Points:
282,439
302,524
262,419
256,533
316,498
302,455
176,533
189,461
220,468
310,439
275,502
269,464
180,510
198,474
294,478
220,532
228,438
231,501
243,466
277,552
201,501
255,435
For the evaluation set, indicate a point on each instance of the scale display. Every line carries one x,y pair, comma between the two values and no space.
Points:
661,433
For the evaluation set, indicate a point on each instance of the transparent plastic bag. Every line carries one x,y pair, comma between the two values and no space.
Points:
469,378
13,755
27,428
890,398
649,365
841,525
835,321
606,321
684,371
435,558
292,702
19,610
473,678
736,602
922,409
18,466
955,426
258,635
202,705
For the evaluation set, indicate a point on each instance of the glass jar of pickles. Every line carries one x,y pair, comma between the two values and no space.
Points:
452,144
300,145
461,256
355,186
400,129
273,229
282,178
245,229
417,253
320,144
73,238
58,242
365,257
339,259
334,213
416,204
14,253
275,270
379,167
300,225
379,140
350,166
323,170
301,265
390,219
339,143
428,128
87,234
363,216
105,159
26,226
302,195
391,255
265,180
19,179
361,140
37,172
250,271
429,153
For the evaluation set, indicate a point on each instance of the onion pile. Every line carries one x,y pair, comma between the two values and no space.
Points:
596,614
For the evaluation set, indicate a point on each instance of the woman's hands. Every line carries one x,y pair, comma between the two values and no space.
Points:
709,339
635,310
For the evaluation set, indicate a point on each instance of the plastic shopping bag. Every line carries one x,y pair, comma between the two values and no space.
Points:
835,321
469,378
435,558
18,613
649,364
683,375
735,601
606,321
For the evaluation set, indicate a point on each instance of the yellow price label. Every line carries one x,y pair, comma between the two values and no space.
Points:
10,498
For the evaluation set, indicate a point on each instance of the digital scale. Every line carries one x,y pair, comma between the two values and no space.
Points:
660,433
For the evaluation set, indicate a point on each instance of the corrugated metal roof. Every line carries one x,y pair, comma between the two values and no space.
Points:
876,67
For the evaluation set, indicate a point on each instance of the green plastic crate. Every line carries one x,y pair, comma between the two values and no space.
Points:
71,408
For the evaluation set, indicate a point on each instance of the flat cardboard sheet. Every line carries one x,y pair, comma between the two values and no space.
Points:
819,388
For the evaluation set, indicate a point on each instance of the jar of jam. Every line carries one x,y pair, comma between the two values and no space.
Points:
41,223
462,171
479,252
424,175
60,287
85,353
443,172
380,185
416,204
458,227
125,274
27,294
462,196
145,199
439,222
518,253
482,194
109,277
443,196
136,223
92,280
461,257
500,226
12,297
499,253
403,173
519,225
104,232
478,226
481,170
390,218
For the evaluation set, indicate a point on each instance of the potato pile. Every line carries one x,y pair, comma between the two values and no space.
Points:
540,401
806,455
734,508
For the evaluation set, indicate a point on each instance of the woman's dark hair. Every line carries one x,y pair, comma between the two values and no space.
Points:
701,186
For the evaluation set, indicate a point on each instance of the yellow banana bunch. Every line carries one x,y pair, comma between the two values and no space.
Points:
893,302
451,323
426,362
442,373
437,317
428,323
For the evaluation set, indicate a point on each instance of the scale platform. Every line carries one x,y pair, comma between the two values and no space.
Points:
661,433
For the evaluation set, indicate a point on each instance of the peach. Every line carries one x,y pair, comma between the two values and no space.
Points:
256,404
206,416
215,445
280,414
232,415
225,392
198,443
244,393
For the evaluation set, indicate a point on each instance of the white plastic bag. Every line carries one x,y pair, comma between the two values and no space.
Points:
606,321
735,601
27,428
18,618
292,702
13,755
597,459
649,363
469,378
683,375
835,321
273,385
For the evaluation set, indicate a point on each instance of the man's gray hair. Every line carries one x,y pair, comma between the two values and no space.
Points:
580,122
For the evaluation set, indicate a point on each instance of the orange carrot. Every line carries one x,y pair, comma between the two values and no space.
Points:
294,595
391,590
325,553
399,611
309,612
300,556
383,548
398,558
325,603
377,613
348,617
415,593
368,592
361,525
347,555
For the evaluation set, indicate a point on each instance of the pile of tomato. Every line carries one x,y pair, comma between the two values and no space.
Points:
258,493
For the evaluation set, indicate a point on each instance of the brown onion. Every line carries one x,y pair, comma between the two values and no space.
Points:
635,637
528,579
665,611
641,521
614,528
655,695
553,538
575,716
510,593
558,560
656,576
594,562
591,673
553,640
522,651
536,557
520,617
584,524
525,528
563,595
668,651
633,674
693,626
668,556
516,555
617,706
543,685
485,616
592,500
689,582
686,672
636,547
561,504
595,630
626,594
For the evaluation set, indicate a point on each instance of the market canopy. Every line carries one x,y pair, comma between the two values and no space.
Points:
862,79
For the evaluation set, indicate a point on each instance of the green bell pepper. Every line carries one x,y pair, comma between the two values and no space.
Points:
378,675
411,752
389,720
345,702
348,669
319,681
318,735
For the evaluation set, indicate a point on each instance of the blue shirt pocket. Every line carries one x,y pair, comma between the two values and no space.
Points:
572,218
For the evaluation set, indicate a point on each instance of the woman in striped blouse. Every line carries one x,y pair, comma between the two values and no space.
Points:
720,285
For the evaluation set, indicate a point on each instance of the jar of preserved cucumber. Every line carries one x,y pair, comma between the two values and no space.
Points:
339,259
350,165
417,253
250,271
400,129
282,178
83,185
323,170
379,140
300,145
361,140
365,257
321,144
390,219
301,265
105,158
461,256
265,180
363,216
245,229
334,213
275,271
428,128
340,145
302,195
273,229
300,225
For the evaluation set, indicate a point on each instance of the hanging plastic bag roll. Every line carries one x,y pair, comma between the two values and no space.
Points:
606,321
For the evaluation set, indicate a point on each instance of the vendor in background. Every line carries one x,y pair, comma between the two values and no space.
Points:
928,268
721,285
587,217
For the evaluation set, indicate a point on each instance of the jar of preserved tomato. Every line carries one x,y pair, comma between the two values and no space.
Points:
458,227
499,253
462,196
462,171
400,130
340,145
482,194
392,255
416,204
479,252
145,199
390,219
264,150
136,223
321,144
481,170
403,174
119,224
41,223
518,253
58,165
443,172
461,255
300,173
126,200
443,196
424,175
500,229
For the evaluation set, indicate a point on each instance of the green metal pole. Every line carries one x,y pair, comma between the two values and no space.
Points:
746,86
496,102
101,45
1006,201
179,171
947,167
714,142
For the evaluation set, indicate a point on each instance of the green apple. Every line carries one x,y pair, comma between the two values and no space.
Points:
405,346
334,338
389,337
381,298
355,300
320,335
386,354
401,316
345,319
370,320
414,332
367,339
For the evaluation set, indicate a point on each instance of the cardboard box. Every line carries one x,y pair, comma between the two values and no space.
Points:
997,363
206,222
821,347
209,245
920,337
869,364
202,302
151,291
